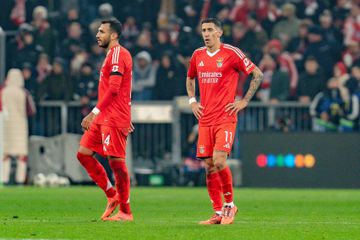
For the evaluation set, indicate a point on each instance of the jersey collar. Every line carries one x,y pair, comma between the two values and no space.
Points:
111,49
211,54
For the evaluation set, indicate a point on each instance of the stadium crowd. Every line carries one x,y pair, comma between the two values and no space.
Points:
308,50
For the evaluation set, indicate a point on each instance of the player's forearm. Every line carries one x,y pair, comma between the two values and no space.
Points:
190,87
106,100
254,84
110,94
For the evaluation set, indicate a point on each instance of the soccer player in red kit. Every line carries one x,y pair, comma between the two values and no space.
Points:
216,67
107,126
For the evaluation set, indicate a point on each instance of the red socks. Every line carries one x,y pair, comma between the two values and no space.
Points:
226,184
214,189
97,173
122,183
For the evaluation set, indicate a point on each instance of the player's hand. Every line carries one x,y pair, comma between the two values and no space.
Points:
131,128
235,107
86,122
197,109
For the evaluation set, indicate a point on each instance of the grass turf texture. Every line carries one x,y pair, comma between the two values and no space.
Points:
173,213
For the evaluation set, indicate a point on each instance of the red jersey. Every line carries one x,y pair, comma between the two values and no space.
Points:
118,62
218,75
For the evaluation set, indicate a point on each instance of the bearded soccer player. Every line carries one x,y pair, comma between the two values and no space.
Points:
108,125
216,67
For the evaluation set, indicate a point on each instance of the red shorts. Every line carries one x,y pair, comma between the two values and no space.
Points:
106,141
218,137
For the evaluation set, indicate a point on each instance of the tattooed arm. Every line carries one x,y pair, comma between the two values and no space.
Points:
190,87
195,106
235,107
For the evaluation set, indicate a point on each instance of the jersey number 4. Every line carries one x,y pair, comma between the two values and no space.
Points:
107,140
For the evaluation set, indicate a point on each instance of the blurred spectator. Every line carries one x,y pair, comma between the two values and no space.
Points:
321,50
331,34
342,76
311,81
43,68
45,35
129,32
15,100
105,11
260,38
298,45
243,8
311,9
96,56
340,11
175,28
167,9
85,85
272,17
78,60
288,27
143,42
354,82
18,13
26,49
275,86
30,82
285,61
169,79
67,5
163,44
351,53
72,15
352,25
144,73
56,86
332,111
85,89
187,40
190,11
73,43
223,17
241,37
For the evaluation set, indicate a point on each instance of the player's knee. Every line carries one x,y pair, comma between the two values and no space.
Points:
79,156
85,151
82,157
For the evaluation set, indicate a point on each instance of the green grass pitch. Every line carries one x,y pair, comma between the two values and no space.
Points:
173,213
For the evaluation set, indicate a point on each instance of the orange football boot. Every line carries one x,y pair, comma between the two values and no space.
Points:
112,203
120,216
229,214
214,219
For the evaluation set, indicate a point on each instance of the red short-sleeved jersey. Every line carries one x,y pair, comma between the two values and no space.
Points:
218,75
118,113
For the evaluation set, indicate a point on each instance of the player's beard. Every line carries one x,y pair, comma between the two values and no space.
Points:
105,43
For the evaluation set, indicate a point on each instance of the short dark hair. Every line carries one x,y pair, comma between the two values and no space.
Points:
115,25
212,20
311,58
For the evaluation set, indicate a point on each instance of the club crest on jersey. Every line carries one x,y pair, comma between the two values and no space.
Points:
219,62
201,149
